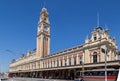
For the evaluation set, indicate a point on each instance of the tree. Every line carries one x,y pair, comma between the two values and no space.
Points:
119,52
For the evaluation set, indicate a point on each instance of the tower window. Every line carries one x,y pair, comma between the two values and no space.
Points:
44,19
46,28
95,38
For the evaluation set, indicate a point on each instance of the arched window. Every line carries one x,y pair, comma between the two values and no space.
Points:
95,57
95,38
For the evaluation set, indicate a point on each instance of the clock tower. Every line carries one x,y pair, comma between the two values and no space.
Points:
43,35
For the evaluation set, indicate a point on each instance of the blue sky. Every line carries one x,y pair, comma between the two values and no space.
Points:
71,21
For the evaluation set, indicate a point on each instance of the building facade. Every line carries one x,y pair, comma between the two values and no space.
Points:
63,64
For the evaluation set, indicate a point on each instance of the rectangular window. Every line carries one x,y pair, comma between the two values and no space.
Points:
94,58
69,61
35,65
38,64
57,63
48,64
61,62
51,64
65,62
74,60
80,60
43,64
54,63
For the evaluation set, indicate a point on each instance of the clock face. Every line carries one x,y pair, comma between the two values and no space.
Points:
46,28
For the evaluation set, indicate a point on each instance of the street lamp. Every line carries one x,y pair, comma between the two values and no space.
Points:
83,70
105,52
106,64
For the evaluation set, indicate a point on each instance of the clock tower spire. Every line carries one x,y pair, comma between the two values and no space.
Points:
43,34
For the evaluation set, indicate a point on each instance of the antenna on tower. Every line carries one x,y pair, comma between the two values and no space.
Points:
98,20
43,3
106,26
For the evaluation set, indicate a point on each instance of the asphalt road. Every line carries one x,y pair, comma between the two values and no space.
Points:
32,79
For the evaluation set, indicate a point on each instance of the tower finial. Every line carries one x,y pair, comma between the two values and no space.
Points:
43,3
98,22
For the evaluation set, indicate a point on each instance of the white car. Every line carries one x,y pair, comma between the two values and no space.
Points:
3,78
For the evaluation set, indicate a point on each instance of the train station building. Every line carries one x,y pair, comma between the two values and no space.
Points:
88,56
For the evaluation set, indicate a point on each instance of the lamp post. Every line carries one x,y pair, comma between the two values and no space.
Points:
106,64
105,52
83,70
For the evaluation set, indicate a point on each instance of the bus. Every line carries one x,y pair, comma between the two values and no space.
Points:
96,75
